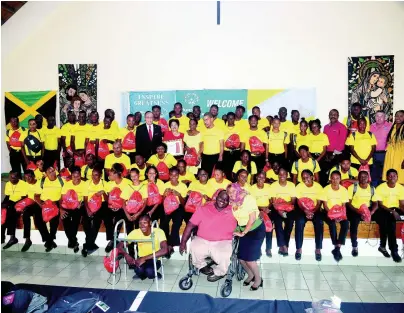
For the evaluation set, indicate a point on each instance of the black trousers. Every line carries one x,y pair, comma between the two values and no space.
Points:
387,228
157,214
146,270
173,237
111,218
280,158
301,221
11,220
229,159
259,161
283,227
354,219
50,157
209,162
91,225
337,239
71,224
16,161
35,211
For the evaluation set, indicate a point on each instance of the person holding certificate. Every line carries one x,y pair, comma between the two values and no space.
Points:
174,139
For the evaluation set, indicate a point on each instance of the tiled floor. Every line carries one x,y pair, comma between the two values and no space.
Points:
296,282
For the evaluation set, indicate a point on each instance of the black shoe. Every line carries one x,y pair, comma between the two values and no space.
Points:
26,246
335,254
298,256
247,283
339,255
10,243
206,270
355,252
252,288
396,257
384,252
49,246
71,244
76,248
109,246
269,253
84,252
213,278
318,257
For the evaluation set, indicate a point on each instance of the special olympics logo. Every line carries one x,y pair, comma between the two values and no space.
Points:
191,98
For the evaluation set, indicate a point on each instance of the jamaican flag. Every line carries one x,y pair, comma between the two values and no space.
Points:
28,104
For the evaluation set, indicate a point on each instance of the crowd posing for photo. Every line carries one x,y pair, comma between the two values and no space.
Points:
225,177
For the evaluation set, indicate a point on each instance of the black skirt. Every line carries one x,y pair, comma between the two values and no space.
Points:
250,244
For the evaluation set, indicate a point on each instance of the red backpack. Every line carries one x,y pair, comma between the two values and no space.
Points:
233,142
65,174
3,215
109,261
365,168
79,160
171,203
49,211
163,170
346,184
115,201
153,194
31,166
14,139
135,203
308,205
282,206
256,145
129,141
70,200
90,149
191,157
103,150
95,203
22,204
194,202
365,213
267,221
337,213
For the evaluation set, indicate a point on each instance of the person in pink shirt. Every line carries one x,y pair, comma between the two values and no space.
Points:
337,134
216,224
380,130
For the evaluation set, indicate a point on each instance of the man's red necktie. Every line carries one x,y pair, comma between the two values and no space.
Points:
150,133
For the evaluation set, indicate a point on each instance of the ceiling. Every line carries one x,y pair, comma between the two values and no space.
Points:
8,9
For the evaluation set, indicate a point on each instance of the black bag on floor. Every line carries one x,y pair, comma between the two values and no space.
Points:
80,302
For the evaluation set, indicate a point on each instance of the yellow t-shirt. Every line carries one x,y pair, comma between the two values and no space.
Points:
262,123
38,174
181,188
80,133
311,165
218,123
299,140
159,184
93,188
80,189
94,131
362,144
276,141
51,137
111,185
242,125
314,192
260,134
390,197
51,190
242,214
351,172
203,189
361,196
187,177
345,122
228,131
109,134
146,248
123,132
38,134
10,132
192,141
335,197
168,159
17,191
67,131
318,142
214,185
272,175
33,189
238,166
111,159
142,172
211,140
291,128
262,196
87,172
114,125
130,189
184,123
283,192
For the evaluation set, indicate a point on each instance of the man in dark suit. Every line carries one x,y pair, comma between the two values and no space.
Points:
148,136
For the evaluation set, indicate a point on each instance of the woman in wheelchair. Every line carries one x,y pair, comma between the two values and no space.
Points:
144,267
216,225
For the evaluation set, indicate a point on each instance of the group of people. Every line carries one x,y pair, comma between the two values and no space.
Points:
270,169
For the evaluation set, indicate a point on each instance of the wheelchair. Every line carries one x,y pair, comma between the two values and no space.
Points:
235,269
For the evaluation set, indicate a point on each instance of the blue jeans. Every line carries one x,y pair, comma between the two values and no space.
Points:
318,224
337,239
283,232
377,170
146,270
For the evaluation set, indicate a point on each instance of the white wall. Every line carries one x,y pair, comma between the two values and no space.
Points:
177,45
